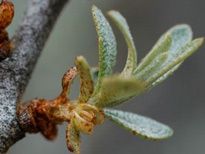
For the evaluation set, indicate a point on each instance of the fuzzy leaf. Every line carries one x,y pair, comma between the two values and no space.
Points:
171,66
107,46
116,89
73,138
122,25
174,39
154,66
161,46
177,43
181,35
139,125
86,82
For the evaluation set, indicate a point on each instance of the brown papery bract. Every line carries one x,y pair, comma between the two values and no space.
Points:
6,16
41,115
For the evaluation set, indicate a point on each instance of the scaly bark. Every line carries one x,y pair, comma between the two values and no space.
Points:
16,70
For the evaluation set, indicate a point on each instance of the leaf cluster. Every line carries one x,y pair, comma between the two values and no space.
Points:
170,51
101,89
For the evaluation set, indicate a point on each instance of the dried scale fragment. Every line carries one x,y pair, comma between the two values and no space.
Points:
6,16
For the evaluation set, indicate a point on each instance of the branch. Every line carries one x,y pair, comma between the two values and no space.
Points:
15,71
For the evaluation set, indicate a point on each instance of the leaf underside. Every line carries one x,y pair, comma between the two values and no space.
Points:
177,44
73,138
116,89
86,81
169,67
160,47
122,25
139,125
107,46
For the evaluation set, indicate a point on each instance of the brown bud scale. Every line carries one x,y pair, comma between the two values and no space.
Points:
6,17
41,115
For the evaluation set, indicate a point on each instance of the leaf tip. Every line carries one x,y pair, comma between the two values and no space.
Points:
95,11
79,59
112,12
94,7
200,41
183,27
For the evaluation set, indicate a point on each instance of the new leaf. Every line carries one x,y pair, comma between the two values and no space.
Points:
107,46
117,89
122,25
139,125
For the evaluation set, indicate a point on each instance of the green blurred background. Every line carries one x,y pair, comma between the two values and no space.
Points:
178,102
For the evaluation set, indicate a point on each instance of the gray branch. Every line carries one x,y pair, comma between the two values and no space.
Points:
16,70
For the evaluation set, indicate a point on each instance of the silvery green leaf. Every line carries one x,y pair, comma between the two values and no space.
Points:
107,46
162,45
181,35
177,43
121,23
171,66
139,125
73,138
86,82
181,38
117,89
154,66
175,38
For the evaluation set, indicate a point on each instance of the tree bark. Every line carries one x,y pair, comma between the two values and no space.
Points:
16,70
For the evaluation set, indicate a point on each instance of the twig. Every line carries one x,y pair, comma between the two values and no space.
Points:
15,71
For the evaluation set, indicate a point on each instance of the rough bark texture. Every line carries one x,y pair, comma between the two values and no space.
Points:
16,70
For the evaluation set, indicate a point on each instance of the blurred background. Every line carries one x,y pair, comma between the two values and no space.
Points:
178,102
